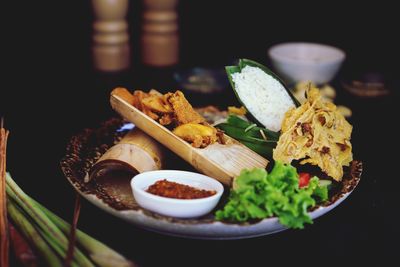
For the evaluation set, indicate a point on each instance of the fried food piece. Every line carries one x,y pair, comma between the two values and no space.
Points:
316,133
135,100
184,112
237,111
125,95
197,134
173,109
157,104
138,99
167,119
138,103
155,92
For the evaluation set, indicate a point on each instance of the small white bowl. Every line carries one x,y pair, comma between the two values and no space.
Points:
296,62
180,208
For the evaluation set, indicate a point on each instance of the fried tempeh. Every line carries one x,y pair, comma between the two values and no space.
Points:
316,133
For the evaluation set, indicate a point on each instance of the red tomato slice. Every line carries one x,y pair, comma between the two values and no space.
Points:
304,179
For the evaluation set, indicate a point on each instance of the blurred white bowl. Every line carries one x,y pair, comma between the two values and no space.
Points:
306,61
181,208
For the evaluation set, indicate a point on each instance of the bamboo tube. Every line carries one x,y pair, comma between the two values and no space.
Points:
136,152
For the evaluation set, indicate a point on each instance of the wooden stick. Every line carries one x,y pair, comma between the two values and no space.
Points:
72,233
4,241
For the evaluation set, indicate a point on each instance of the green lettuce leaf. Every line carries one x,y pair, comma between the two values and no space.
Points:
258,195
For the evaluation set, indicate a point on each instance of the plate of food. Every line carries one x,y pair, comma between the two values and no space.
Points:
267,166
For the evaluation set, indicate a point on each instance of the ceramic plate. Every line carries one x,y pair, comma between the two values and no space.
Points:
114,195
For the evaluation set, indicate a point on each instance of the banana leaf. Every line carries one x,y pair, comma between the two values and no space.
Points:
263,150
247,62
238,122
236,127
240,135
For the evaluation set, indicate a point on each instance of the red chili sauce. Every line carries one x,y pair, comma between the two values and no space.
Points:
169,189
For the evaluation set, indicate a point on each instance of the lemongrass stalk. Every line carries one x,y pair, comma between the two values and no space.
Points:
101,254
27,229
60,247
52,233
56,247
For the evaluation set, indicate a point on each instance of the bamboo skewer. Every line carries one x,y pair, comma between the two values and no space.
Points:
72,233
4,241
222,162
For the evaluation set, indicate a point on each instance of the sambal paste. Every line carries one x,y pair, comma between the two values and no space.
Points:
170,189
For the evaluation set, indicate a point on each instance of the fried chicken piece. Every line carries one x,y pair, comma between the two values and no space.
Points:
155,92
138,103
135,100
197,134
174,109
184,112
125,95
138,99
221,137
157,104
167,119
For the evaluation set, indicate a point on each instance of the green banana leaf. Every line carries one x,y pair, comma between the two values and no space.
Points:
236,127
247,62
263,150
240,135
255,131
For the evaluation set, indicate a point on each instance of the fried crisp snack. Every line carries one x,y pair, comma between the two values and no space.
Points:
138,103
197,134
157,104
136,100
126,95
184,112
167,119
316,133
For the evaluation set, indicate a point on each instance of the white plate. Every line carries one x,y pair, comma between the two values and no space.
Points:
115,197
211,230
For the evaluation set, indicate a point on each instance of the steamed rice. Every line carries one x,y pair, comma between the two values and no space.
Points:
264,97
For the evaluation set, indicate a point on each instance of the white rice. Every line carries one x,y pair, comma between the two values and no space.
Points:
264,97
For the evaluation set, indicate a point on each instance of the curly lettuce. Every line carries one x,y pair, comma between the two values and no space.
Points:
258,195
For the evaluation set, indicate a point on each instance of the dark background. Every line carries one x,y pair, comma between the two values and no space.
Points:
49,91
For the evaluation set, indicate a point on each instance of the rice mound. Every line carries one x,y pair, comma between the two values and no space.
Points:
263,96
